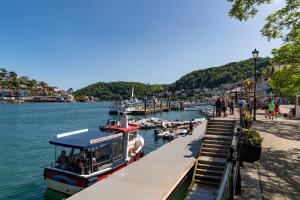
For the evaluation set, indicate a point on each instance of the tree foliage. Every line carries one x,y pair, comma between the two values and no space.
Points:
209,78
117,90
243,9
284,24
286,82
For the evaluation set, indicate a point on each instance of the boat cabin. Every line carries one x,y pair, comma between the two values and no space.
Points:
84,157
87,152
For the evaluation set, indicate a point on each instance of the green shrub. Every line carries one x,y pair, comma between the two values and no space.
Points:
252,137
248,119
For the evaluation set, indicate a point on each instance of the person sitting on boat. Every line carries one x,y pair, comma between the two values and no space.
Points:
62,160
71,160
79,168
81,154
94,160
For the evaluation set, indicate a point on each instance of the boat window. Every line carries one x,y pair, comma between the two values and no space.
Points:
132,135
117,148
65,157
101,157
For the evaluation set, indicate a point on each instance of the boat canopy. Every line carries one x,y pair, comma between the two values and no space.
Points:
116,128
86,139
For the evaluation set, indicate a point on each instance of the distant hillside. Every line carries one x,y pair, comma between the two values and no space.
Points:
117,90
9,80
215,76
209,78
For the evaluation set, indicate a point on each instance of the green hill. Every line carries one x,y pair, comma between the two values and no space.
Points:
120,89
209,78
215,76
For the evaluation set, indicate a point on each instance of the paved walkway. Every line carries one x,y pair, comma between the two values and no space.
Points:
279,166
277,175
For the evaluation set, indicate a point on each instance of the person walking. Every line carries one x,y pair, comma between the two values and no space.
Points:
250,107
231,107
223,106
276,110
266,107
271,108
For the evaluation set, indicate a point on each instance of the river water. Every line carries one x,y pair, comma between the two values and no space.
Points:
25,130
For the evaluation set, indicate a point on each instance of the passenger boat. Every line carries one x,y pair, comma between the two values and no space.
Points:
90,156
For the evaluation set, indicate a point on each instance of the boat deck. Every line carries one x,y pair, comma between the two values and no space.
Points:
154,177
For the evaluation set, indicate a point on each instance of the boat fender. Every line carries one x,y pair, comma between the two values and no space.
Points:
137,144
129,151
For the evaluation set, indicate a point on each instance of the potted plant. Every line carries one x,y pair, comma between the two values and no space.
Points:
251,146
248,119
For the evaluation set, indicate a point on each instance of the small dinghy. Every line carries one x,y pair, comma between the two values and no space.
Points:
170,135
182,131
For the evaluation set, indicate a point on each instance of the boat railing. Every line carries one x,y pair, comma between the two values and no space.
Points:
101,165
118,157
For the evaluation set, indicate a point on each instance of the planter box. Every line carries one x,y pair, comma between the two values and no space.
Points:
250,153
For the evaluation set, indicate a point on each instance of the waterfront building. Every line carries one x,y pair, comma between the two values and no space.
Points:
262,87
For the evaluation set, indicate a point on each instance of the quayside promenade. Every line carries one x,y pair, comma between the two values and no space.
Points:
279,165
153,177
277,175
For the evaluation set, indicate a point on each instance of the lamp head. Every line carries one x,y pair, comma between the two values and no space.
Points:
255,53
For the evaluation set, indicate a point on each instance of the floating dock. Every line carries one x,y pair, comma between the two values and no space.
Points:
153,177
149,111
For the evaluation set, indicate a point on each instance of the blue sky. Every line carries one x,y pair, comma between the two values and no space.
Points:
73,43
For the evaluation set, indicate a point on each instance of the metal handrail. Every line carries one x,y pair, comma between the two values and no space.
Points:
229,166
224,181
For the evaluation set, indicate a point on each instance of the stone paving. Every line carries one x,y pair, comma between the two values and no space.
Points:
279,166
277,175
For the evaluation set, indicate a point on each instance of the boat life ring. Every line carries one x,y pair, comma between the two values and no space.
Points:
130,151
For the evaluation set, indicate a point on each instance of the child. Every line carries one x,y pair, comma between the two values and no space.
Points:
276,110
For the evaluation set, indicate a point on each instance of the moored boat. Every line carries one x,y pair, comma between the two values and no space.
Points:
90,156
126,106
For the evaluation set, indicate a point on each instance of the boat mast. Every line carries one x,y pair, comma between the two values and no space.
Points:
132,92
194,88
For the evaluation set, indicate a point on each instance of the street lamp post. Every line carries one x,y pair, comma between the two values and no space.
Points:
255,56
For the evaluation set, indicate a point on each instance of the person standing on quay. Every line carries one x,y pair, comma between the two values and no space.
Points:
218,105
223,106
191,126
